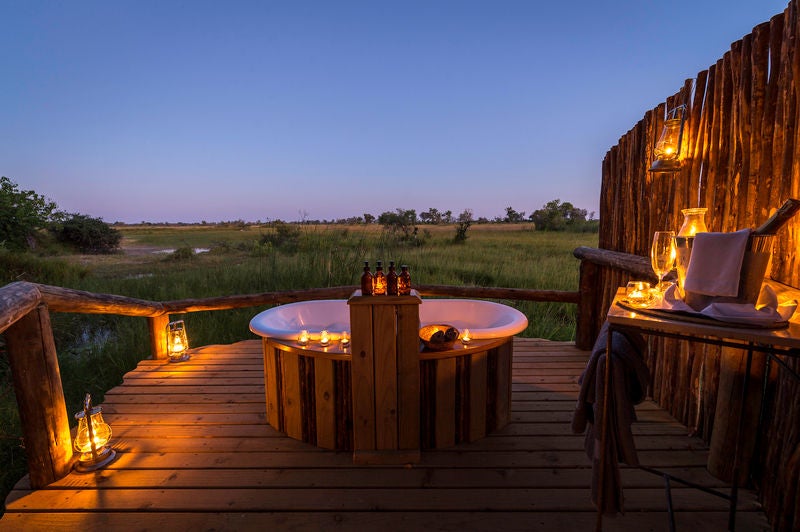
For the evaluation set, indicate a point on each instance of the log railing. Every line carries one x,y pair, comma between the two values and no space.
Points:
25,324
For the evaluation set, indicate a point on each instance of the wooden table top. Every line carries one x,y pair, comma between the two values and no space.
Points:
786,337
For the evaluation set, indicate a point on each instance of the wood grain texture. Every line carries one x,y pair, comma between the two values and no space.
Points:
211,467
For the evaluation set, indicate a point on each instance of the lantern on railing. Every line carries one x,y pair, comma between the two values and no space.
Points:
92,438
669,144
177,342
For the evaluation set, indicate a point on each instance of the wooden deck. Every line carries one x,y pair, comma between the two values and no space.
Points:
195,453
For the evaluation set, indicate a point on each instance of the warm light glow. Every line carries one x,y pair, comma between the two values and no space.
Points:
177,344
668,148
345,339
177,341
92,437
379,285
303,338
668,144
693,221
101,432
324,337
465,337
638,293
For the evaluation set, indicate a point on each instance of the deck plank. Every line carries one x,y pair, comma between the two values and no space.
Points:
196,452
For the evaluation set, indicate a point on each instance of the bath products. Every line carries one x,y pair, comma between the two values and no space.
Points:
366,280
404,282
391,280
379,281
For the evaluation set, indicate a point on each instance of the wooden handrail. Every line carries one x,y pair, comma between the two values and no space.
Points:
634,264
70,300
17,300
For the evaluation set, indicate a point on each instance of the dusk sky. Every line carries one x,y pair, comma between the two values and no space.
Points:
259,110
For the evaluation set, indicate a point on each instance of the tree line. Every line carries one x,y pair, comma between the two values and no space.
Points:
24,214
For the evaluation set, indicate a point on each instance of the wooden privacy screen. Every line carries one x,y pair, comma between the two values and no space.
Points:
741,160
741,155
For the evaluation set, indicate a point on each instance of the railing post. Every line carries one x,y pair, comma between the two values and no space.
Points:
586,323
40,397
157,326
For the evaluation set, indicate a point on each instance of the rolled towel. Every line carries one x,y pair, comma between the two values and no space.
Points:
716,263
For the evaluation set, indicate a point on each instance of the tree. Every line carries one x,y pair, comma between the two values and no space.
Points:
463,222
401,221
558,216
431,216
22,214
368,218
513,216
87,234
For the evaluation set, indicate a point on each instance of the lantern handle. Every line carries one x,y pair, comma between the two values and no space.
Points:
87,404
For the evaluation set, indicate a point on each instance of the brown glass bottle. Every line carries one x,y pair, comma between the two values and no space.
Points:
379,281
404,282
366,280
391,280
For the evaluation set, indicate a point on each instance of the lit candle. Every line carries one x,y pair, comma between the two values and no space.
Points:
303,338
324,338
638,293
345,339
465,337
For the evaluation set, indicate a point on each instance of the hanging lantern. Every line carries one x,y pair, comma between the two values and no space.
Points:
668,147
92,438
177,342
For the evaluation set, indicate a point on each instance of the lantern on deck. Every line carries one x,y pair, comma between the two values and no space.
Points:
668,147
177,342
92,438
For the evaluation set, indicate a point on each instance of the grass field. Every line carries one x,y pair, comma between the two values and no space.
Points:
96,350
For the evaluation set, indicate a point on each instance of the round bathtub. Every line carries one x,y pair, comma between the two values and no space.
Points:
381,396
484,319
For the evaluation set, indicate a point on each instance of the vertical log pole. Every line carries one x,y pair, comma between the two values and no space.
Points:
157,325
40,397
588,306
733,410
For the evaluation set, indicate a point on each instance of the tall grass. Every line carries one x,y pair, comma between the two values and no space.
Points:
95,351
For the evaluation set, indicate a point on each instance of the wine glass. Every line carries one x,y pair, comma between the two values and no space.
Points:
662,255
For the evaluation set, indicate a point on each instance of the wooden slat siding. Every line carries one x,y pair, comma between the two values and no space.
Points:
230,475
408,377
344,405
272,393
362,377
386,392
324,401
444,419
477,395
290,387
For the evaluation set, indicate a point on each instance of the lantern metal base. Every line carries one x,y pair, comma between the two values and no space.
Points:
180,358
105,456
664,166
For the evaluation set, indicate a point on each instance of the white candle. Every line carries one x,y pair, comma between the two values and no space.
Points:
303,338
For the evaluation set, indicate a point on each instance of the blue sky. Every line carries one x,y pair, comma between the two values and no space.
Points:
194,110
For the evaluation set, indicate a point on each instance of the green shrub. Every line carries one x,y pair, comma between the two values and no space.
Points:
87,234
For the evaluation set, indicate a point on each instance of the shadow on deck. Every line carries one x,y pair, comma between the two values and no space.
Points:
196,453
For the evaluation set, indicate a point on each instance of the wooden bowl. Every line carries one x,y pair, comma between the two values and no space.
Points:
439,337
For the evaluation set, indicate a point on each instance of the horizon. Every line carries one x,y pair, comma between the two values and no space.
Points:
180,113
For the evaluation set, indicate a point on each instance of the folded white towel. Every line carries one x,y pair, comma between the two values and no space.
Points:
716,263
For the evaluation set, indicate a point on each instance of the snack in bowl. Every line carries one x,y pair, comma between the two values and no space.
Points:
439,337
